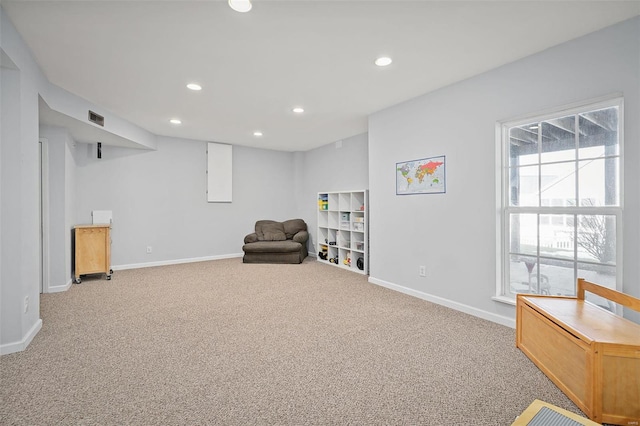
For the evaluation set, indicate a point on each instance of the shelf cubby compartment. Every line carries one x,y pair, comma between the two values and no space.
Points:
331,237
323,202
323,220
334,220
324,250
323,235
345,220
333,253
344,239
334,202
358,221
357,241
358,201
345,258
345,201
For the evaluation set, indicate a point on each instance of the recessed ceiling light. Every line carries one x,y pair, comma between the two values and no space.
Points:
298,110
383,61
257,133
175,121
194,86
534,127
240,5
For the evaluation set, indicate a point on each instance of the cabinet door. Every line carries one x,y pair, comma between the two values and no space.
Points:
91,250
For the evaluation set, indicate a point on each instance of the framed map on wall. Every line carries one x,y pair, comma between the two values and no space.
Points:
424,176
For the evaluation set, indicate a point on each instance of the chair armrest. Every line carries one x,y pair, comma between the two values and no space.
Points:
301,237
251,238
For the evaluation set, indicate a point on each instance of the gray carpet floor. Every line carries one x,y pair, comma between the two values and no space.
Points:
224,343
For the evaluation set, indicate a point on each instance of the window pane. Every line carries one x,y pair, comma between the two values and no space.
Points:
558,139
558,183
564,172
598,182
523,274
602,275
557,277
523,145
523,184
597,238
598,133
524,234
556,235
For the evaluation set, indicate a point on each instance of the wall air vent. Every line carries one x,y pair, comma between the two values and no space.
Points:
96,118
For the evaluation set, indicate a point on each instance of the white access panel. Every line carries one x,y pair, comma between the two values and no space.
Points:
219,173
102,217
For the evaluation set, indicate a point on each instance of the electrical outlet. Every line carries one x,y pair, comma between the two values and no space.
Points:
26,304
149,249
422,271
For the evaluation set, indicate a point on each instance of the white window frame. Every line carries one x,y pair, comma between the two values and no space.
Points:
503,209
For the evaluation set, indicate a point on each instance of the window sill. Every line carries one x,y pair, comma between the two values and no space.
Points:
504,299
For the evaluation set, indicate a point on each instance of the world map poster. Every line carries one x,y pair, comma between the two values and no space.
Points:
425,176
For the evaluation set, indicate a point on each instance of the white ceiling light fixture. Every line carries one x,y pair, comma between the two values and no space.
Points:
298,110
383,61
175,121
257,133
194,86
241,6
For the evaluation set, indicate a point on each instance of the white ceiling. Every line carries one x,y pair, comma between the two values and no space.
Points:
134,58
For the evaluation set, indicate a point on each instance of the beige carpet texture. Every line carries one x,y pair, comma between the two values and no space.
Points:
227,343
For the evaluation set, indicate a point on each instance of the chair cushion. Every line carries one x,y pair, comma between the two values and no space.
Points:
269,230
293,226
287,246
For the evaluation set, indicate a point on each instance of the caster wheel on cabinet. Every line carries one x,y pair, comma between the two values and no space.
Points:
108,277
110,271
78,280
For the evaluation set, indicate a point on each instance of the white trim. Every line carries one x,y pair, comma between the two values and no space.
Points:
175,261
500,197
60,288
504,299
570,108
499,319
21,345
44,213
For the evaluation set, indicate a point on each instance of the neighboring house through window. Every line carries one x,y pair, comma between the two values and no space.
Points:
561,200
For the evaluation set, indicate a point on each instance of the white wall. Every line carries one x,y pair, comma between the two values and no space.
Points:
10,216
159,199
70,204
61,176
338,166
19,226
22,84
454,234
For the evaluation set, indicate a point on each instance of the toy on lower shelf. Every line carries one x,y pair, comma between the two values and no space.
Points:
323,253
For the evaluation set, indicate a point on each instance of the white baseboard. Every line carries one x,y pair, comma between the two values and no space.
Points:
10,348
60,288
175,261
508,322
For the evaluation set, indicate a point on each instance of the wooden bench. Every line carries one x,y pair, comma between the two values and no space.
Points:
590,353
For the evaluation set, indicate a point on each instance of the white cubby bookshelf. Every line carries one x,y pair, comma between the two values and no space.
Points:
343,229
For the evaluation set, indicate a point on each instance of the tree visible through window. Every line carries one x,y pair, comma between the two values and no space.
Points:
561,209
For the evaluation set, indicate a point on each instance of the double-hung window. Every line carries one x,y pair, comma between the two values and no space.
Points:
561,200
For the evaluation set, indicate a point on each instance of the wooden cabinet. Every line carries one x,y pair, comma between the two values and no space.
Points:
92,250
591,354
343,230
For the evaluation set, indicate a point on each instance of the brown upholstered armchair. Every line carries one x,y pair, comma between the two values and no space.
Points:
276,242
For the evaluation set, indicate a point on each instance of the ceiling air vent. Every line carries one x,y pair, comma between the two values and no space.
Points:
96,118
